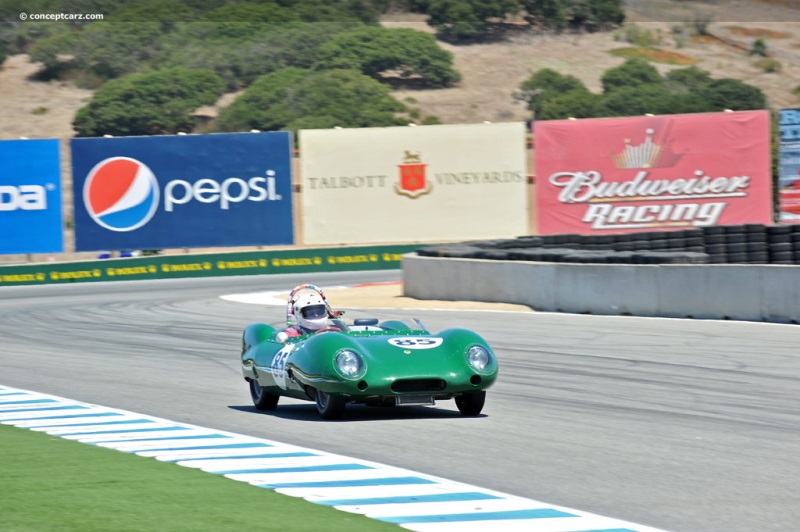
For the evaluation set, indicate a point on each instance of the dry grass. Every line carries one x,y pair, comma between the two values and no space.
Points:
655,54
757,33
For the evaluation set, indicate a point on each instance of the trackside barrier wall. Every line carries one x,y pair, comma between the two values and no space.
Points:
209,265
725,291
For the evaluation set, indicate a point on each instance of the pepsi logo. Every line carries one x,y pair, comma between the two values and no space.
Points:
121,194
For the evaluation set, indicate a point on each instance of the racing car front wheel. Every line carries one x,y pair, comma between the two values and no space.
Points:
471,403
263,400
330,406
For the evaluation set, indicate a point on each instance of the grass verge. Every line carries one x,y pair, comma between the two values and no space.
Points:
52,484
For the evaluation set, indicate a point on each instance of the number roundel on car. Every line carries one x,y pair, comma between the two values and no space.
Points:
415,342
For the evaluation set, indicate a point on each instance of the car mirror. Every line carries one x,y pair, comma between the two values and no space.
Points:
281,337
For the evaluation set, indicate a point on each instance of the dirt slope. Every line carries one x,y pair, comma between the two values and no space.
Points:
492,72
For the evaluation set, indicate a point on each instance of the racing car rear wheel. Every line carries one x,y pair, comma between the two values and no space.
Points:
330,406
262,399
471,404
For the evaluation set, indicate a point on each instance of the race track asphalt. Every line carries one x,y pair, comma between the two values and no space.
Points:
683,425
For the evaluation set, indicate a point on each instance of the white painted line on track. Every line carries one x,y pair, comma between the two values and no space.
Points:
414,501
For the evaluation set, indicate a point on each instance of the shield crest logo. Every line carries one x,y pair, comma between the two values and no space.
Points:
413,182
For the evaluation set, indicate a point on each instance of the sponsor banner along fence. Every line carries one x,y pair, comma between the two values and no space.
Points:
386,257
789,165
30,197
421,184
182,191
612,175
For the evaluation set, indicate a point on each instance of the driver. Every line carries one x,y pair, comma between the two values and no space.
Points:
311,314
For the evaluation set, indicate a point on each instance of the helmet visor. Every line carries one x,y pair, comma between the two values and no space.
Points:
314,312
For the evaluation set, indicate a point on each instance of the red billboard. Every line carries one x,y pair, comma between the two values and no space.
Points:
615,175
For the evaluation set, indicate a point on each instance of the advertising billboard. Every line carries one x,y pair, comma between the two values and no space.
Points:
789,165
417,184
30,197
613,175
182,191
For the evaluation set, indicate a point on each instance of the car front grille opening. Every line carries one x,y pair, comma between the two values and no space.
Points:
419,385
475,379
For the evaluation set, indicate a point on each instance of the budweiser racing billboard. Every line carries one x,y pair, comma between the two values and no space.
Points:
612,175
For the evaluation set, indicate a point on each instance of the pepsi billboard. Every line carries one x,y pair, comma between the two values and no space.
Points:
30,197
182,191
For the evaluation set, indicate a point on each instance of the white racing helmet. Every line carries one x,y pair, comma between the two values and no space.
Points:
310,311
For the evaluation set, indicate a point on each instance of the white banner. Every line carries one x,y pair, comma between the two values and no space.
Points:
414,184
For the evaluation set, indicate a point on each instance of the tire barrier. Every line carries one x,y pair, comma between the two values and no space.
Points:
743,272
733,244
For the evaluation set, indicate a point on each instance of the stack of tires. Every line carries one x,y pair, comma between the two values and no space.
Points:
732,244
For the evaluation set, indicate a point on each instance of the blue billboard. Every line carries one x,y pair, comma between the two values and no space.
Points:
30,197
182,191
789,165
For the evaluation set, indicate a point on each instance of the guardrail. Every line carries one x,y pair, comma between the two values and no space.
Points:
727,291
384,257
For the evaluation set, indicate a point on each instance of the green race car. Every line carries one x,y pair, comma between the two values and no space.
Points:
389,363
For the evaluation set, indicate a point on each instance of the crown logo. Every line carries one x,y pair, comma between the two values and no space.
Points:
645,155
648,154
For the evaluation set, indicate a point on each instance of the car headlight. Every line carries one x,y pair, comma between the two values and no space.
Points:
478,357
349,363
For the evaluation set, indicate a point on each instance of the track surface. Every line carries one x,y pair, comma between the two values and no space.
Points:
683,425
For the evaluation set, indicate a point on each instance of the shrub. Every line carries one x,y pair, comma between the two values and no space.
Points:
769,65
638,36
759,48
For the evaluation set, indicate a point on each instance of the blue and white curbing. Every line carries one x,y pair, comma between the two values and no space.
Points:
412,500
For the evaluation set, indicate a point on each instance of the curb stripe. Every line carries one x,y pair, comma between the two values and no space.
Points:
119,431
259,456
26,402
441,497
309,469
488,516
388,481
197,447
36,418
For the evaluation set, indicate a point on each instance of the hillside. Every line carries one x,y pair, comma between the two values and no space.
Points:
492,72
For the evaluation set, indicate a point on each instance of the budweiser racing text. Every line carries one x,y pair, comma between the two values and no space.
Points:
602,213
607,216
589,186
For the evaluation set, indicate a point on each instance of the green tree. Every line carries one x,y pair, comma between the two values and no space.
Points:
575,103
635,100
155,103
604,14
245,20
546,85
467,19
294,98
546,13
687,78
374,50
239,61
727,93
633,72
112,50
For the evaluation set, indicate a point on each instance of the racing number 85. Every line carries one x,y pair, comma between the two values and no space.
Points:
416,343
